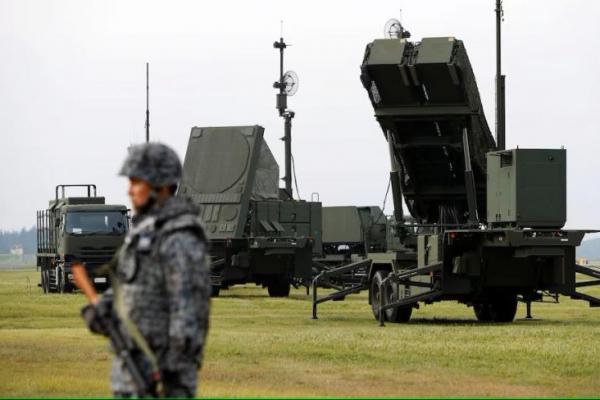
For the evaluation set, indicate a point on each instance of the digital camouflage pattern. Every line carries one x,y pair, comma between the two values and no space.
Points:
155,163
163,278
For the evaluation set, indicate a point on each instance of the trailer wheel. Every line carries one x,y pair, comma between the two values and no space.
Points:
279,287
503,309
482,312
396,314
375,293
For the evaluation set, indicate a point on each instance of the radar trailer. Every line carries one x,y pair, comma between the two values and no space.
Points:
257,233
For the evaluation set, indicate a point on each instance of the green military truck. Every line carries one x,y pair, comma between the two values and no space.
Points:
257,233
84,229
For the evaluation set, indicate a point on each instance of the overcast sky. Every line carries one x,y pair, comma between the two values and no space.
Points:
72,87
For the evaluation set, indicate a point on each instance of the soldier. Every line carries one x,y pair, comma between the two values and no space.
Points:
162,287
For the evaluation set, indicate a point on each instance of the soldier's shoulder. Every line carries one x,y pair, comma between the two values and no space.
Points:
186,238
182,250
179,214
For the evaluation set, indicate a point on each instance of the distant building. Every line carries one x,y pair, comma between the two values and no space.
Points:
16,250
582,261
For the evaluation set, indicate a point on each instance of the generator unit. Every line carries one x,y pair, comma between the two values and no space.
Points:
527,188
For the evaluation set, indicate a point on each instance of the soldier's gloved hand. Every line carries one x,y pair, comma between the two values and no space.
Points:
175,386
95,315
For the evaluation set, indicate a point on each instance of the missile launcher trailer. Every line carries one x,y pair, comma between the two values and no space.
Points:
488,222
85,229
257,233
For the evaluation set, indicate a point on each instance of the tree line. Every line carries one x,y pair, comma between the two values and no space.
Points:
25,237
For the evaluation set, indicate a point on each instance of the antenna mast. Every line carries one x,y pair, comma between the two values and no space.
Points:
287,85
147,102
500,82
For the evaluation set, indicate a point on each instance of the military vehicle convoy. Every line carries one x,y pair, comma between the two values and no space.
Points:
257,233
488,222
82,228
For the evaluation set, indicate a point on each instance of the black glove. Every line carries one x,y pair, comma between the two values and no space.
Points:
95,316
174,387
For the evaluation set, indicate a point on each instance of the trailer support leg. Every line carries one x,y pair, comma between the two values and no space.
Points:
528,316
314,305
381,315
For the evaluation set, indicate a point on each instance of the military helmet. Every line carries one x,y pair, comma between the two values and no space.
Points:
155,163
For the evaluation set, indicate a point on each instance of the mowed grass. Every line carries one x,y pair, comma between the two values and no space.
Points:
259,346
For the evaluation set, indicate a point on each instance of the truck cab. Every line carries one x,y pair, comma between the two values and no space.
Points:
83,229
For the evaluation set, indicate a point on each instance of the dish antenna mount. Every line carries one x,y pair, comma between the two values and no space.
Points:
393,29
290,83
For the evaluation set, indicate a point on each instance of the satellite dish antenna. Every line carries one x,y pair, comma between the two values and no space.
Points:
394,30
290,83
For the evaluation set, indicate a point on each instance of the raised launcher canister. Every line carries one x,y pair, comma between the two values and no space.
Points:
488,232
255,236
425,97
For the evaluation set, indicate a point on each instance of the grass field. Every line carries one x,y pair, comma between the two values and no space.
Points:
270,347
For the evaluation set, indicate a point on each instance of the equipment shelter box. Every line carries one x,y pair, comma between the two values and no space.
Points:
527,188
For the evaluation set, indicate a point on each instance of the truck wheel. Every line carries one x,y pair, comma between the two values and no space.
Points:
214,290
44,279
482,312
279,287
375,293
51,280
60,281
503,308
397,314
68,287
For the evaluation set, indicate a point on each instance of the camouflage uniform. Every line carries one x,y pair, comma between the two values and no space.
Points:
163,280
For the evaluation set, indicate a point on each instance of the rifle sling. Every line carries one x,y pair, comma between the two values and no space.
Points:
130,327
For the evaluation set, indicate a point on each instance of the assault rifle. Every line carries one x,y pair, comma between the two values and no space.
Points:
146,386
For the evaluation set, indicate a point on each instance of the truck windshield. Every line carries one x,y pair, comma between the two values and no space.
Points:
96,222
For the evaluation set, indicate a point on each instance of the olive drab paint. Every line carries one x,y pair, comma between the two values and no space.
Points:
59,247
485,225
